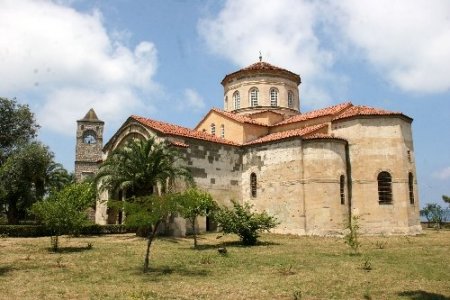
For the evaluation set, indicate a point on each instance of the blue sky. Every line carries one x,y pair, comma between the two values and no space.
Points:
165,60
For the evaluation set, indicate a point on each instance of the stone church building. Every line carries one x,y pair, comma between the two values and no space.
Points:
311,170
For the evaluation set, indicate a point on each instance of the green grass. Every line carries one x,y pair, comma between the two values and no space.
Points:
280,267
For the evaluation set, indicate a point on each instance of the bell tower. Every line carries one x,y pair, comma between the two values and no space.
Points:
89,144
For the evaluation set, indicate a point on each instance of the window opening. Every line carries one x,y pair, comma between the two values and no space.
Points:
411,187
253,184
237,100
342,188
290,99
254,97
384,188
89,137
273,97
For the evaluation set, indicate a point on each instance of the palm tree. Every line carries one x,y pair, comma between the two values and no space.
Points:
141,168
145,171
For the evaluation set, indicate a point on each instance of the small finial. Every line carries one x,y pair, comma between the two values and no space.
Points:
260,56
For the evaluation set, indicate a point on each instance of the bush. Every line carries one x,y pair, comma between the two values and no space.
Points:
243,222
41,230
24,230
434,214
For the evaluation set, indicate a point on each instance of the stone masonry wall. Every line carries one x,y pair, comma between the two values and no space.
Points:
375,145
278,167
324,162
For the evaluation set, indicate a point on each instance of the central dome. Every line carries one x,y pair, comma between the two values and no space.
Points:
261,86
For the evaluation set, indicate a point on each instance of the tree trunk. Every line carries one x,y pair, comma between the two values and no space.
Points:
54,242
194,230
12,212
151,236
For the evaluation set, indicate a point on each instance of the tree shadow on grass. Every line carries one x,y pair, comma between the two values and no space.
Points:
234,244
156,273
5,269
170,239
422,295
70,249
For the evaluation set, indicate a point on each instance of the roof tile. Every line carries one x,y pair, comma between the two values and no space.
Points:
238,118
171,129
263,66
328,111
287,134
361,110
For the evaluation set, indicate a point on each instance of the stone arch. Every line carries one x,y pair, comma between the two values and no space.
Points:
131,131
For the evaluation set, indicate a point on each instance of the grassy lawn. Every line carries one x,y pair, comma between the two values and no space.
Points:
281,267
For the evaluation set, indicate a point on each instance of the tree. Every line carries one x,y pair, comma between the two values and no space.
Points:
17,126
64,211
243,222
27,175
194,203
141,168
148,212
446,199
351,238
145,171
434,213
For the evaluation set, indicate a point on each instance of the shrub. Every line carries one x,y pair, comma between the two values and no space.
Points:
434,214
243,222
352,236
24,230
41,230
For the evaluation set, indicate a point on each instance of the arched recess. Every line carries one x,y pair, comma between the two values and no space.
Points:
132,131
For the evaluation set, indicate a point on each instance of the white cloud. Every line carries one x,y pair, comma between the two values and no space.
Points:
192,100
443,174
282,30
407,41
66,62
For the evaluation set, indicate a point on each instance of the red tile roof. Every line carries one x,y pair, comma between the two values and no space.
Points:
264,111
233,116
328,111
263,66
179,144
287,134
171,129
360,110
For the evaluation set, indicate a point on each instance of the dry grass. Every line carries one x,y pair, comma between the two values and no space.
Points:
281,267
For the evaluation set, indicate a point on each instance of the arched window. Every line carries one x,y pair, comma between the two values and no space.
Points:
411,187
253,184
237,100
273,97
254,97
342,188
222,130
384,188
290,99
213,128
226,103
89,137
